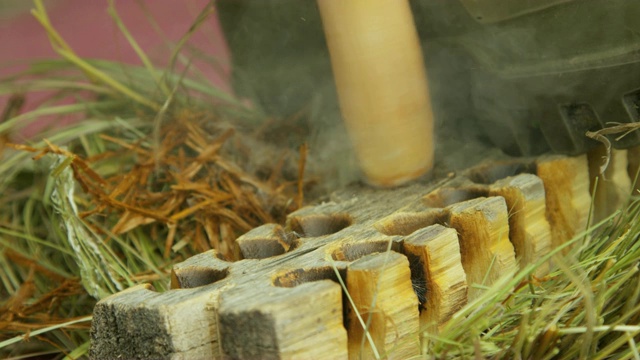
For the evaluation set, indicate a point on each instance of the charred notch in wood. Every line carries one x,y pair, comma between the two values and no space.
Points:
266,241
448,196
406,223
418,279
196,276
436,250
354,251
297,277
319,224
220,256
488,174
394,319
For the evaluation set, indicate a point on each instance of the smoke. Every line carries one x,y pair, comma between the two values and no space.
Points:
522,77
538,74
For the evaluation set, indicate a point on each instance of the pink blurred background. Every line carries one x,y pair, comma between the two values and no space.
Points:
90,31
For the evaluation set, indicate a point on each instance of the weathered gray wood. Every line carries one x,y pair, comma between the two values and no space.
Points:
140,323
268,322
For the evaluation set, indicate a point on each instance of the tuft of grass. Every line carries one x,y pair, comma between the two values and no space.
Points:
588,307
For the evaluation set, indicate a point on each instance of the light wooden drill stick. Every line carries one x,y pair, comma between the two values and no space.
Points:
382,86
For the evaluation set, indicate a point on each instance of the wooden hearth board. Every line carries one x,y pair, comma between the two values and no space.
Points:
409,258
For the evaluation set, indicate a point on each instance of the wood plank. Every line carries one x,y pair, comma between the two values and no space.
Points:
525,197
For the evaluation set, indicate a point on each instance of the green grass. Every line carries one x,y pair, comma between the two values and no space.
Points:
588,307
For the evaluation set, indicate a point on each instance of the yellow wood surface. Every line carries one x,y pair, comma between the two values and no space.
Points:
382,87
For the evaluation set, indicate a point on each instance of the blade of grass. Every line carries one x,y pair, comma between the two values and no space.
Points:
33,239
47,329
8,87
22,120
93,73
202,16
78,352
134,44
374,349
108,80
53,35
